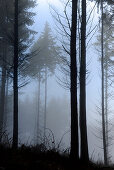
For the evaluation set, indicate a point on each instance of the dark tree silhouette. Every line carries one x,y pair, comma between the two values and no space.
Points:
15,79
2,90
15,19
83,123
73,78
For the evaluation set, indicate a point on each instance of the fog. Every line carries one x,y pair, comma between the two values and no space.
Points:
58,97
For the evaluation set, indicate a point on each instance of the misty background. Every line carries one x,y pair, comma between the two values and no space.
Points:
58,97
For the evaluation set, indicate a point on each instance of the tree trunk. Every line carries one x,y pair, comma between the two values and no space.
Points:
15,79
3,82
102,89
83,124
45,107
73,77
6,103
2,98
106,104
39,79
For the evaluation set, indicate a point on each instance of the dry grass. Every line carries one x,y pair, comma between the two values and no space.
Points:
33,158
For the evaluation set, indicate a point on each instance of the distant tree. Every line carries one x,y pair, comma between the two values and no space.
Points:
43,64
107,66
104,126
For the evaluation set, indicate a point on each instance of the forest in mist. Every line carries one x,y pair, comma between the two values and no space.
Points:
56,84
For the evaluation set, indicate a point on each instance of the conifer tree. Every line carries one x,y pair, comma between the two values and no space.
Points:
45,58
16,35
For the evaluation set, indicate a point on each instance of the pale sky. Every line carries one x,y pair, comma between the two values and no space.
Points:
53,2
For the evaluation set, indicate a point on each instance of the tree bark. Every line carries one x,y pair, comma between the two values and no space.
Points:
83,123
2,98
102,90
6,102
15,78
45,107
39,79
106,104
73,77
2,91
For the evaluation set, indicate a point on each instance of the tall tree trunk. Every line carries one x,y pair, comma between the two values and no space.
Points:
6,103
83,123
106,104
102,89
3,82
45,107
15,79
106,74
73,77
2,98
39,79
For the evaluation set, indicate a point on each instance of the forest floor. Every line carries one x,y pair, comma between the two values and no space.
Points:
26,158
